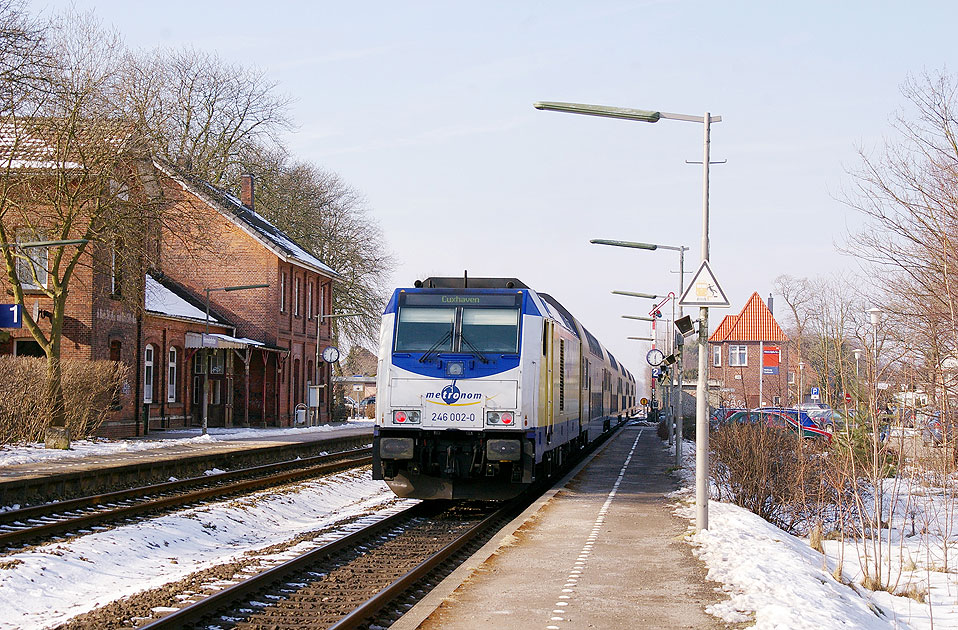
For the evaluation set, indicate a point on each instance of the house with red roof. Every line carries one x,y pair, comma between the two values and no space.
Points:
748,358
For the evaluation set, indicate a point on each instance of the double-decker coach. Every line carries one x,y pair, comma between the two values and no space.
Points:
484,386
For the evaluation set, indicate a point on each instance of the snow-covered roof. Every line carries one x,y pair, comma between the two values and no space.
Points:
36,143
164,301
255,224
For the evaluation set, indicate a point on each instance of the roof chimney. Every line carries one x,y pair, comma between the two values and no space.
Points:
770,306
246,190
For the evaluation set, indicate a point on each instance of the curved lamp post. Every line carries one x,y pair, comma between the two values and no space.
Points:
701,390
676,409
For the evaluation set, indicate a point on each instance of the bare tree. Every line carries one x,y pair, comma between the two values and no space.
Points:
201,113
328,217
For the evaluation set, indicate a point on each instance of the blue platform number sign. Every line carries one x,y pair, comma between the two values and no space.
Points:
815,393
10,316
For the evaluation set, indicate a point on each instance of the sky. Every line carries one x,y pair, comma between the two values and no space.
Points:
426,109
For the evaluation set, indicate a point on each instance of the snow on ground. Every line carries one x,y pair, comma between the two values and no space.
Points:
45,586
30,453
777,581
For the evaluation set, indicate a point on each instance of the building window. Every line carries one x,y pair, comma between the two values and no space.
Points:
171,377
282,292
198,365
115,347
32,267
791,378
717,356
296,297
309,300
148,374
116,270
216,362
738,356
215,392
777,401
28,348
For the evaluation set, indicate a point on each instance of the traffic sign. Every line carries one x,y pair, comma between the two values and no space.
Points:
848,397
11,316
704,290
815,393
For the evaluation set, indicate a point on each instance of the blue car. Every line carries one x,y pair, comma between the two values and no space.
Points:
795,420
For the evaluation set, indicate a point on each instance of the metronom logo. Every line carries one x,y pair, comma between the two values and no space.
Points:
451,394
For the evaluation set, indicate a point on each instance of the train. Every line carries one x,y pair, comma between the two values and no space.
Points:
485,386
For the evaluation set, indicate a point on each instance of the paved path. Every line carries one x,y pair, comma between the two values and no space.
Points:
603,550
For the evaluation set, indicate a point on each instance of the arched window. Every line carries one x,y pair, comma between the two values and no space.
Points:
171,376
148,374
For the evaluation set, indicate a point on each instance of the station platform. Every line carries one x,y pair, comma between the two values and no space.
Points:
161,454
601,549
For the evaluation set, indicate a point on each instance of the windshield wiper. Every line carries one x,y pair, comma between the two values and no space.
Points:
435,347
472,349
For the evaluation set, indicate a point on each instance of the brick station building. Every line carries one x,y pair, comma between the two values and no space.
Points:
262,350
749,360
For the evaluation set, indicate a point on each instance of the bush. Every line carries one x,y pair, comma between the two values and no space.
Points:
688,429
770,472
90,389
857,445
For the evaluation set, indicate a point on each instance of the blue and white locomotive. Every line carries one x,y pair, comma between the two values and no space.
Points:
485,386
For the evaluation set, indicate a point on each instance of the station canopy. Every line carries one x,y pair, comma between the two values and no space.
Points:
220,341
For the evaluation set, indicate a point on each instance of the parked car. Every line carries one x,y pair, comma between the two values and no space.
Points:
795,420
812,406
829,419
743,416
936,432
720,415
368,406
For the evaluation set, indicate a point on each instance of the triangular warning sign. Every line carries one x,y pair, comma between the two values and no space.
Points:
704,290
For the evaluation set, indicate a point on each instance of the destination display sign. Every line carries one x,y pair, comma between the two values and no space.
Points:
459,299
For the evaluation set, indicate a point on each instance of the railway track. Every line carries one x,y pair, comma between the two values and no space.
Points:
47,522
367,577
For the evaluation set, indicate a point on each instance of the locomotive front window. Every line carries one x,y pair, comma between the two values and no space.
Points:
490,330
424,329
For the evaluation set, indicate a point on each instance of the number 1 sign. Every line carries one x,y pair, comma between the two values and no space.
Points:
10,316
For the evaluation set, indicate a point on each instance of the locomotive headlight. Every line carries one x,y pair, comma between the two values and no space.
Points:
401,416
500,418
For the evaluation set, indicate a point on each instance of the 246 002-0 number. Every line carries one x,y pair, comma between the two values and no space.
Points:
454,417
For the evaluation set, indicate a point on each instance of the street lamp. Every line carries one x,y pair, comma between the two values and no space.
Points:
874,314
677,410
669,392
701,390
647,296
206,363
